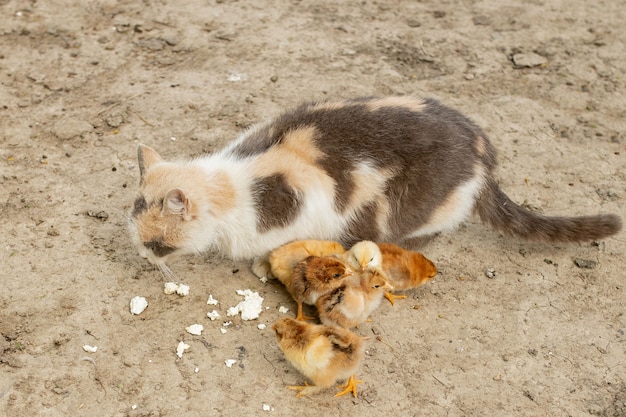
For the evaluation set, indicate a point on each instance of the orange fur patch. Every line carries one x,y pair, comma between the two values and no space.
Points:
407,102
480,145
296,158
332,105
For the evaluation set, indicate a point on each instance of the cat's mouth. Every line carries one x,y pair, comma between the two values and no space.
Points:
159,262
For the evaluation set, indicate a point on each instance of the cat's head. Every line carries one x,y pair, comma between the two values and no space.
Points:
165,220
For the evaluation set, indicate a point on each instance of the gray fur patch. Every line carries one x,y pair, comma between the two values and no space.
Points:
277,203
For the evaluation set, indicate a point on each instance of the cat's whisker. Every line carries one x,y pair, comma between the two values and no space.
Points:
166,271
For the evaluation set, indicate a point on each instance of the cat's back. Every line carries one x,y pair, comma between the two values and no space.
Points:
382,130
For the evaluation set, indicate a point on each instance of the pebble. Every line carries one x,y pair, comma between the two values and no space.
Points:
585,263
481,20
529,60
490,273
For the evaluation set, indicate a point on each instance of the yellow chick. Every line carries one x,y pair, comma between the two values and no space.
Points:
314,277
405,269
324,354
284,259
363,256
351,303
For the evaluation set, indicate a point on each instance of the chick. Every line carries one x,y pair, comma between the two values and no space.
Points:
324,354
284,259
314,277
405,269
364,255
351,303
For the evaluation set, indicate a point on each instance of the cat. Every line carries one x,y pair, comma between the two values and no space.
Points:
395,169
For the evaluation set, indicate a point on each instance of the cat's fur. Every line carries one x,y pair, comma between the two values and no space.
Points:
381,169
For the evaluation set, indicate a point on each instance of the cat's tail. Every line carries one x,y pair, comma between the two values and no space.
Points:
498,210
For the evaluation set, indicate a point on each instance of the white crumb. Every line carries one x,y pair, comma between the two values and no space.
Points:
196,370
263,280
170,287
261,326
176,287
195,329
250,307
227,323
133,407
182,346
138,305
283,309
230,362
212,301
92,349
183,290
223,330
213,315
266,407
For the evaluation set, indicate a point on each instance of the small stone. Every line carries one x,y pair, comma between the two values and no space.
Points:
585,263
274,78
102,215
529,60
413,23
490,273
225,35
481,20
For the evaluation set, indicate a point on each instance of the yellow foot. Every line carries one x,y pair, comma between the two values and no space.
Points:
301,316
349,387
392,297
305,389
298,388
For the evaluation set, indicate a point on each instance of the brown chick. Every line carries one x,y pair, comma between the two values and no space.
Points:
405,269
284,259
314,277
324,354
351,303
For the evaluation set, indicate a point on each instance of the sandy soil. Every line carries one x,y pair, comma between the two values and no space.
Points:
82,83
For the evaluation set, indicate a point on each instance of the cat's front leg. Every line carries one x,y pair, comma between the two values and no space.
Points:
261,267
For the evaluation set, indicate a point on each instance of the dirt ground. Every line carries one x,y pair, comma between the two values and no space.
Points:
82,83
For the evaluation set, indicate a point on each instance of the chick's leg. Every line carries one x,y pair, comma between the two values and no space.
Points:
392,297
305,389
349,387
300,316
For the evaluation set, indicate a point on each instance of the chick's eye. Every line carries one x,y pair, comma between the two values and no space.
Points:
372,259
336,275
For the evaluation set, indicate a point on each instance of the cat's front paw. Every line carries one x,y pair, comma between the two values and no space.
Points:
261,267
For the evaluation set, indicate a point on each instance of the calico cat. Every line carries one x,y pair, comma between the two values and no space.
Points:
390,169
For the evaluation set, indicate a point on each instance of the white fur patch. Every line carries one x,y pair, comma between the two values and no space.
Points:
456,208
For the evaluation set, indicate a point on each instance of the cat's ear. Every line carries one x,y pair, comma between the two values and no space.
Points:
177,203
146,157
